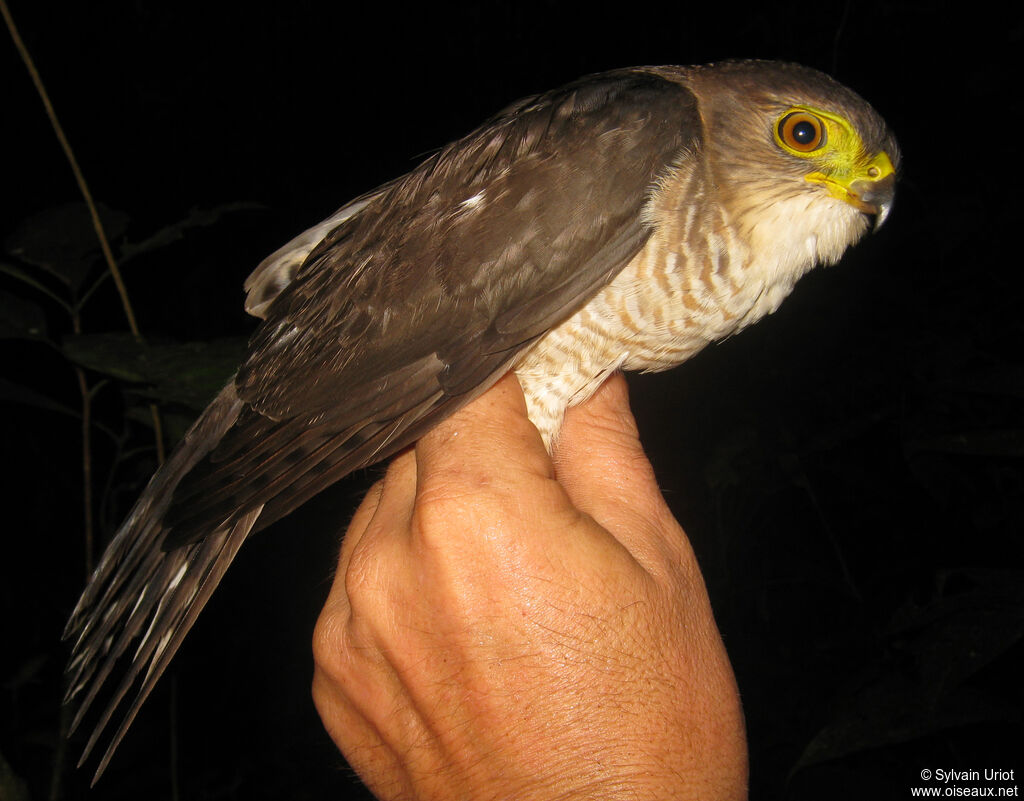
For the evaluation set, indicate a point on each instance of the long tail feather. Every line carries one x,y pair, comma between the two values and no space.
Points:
144,596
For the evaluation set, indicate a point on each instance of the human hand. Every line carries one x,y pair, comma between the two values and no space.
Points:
505,627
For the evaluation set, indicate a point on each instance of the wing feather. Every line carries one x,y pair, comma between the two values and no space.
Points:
439,281
379,322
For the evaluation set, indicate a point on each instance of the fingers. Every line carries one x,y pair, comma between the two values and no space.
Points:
599,450
489,450
600,462
454,473
484,464
351,680
386,507
490,437
392,600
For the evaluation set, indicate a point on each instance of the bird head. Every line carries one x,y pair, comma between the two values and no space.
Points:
843,165
798,158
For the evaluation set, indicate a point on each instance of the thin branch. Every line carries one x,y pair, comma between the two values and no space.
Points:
16,272
97,224
79,178
87,512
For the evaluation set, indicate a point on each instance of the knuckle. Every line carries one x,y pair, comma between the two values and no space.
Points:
350,615
364,581
458,503
439,507
329,641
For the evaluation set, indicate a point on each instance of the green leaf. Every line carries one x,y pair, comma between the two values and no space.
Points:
921,685
189,373
893,712
16,393
168,235
12,786
63,241
21,319
34,281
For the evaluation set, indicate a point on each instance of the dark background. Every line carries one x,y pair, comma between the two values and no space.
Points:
849,470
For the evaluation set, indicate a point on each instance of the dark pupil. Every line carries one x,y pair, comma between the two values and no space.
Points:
804,133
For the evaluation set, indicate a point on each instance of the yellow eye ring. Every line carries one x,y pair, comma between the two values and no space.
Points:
802,132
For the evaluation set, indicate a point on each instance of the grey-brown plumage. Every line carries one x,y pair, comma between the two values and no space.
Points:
622,221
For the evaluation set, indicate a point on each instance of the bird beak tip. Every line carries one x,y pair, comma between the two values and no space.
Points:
881,216
874,197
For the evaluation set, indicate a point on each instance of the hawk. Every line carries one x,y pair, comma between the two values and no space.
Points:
623,221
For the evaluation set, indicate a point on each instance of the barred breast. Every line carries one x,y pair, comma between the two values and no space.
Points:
679,293
694,282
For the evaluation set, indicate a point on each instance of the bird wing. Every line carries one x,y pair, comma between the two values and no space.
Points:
414,305
276,271
419,297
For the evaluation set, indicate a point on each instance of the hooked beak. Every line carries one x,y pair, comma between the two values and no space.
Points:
869,188
873,197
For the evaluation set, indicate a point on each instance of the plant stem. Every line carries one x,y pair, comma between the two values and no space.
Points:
83,187
60,754
173,755
87,513
69,154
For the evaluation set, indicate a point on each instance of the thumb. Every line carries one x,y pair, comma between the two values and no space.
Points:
602,467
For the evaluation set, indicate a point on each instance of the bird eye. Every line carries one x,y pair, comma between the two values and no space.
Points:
802,132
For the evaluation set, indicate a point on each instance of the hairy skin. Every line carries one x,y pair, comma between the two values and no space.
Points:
505,626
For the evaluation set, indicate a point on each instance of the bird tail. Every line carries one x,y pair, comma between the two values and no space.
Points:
139,591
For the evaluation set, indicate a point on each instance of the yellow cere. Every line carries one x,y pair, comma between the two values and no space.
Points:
842,157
